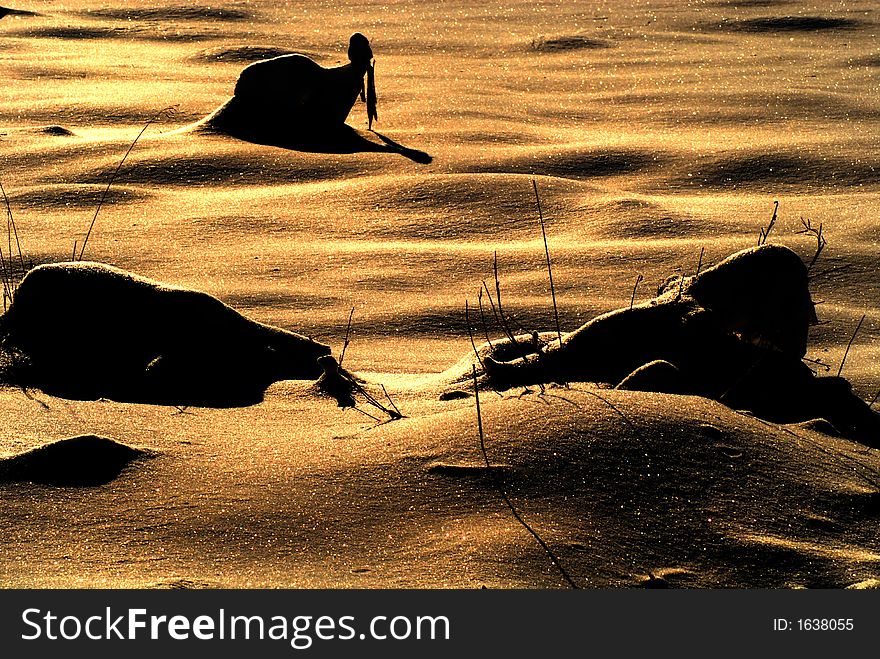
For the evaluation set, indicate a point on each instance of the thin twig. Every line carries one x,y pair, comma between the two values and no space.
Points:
6,273
11,223
7,263
632,299
158,115
849,345
762,237
396,409
393,414
365,413
700,262
483,319
347,334
549,267
739,380
504,322
492,304
830,271
27,394
837,456
817,362
818,235
467,318
626,419
500,487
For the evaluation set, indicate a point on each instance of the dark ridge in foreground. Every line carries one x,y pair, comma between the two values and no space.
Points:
788,24
83,461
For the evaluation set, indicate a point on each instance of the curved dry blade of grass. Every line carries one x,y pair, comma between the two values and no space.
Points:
849,345
500,487
762,237
549,266
169,111
347,337
632,299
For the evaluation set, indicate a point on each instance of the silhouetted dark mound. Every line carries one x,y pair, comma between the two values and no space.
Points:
87,460
736,333
89,330
292,97
291,101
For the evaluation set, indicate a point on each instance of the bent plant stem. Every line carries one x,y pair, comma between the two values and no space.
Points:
818,235
762,237
849,345
396,409
873,477
347,335
524,352
483,319
10,224
467,317
500,487
830,271
632,299
365,413
156,117
7,261
549,266
393,414
504,324
492,303
817,362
